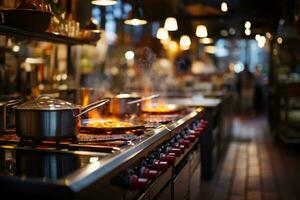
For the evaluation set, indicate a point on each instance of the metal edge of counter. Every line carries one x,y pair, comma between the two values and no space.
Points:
88,175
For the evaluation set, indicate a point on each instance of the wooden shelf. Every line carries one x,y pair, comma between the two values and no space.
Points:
42,36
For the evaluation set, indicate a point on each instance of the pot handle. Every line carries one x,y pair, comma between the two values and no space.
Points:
144,99
14,102
93,106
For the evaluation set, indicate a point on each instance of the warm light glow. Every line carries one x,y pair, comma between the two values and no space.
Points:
210,49
247,25
279,40
34,60
247,32
224,33
201,31
232,31
224,7
268,35
171,24
173,45
104,2
185,42
129,55
16,48
135,22
261,41
166,41
162,34
238,67
206,40
93,159
257,36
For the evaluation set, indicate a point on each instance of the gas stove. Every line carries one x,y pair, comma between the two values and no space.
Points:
84,167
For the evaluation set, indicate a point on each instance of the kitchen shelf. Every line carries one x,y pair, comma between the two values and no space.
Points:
43,36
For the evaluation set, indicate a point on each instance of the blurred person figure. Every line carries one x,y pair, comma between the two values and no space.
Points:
246,89
259,100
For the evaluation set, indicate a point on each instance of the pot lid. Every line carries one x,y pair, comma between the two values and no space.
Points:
46,103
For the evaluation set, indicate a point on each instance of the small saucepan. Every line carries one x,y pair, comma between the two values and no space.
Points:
127,104
49,118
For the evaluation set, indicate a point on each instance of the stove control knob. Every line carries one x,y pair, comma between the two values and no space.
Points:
160,165
148,173
185,143
138,183
170,158
176,151
191,137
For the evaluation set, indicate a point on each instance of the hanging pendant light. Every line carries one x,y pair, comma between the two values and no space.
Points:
171,24
136,16
162,34
104,2
185,42
201,31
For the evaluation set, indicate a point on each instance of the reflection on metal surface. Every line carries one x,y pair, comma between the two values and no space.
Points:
93,159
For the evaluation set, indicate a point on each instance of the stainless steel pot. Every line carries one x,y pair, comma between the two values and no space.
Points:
118,105
124,105
48,118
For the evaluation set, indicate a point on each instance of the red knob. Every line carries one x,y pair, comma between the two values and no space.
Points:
191,138
199,129
161,165
148,173
152,174
185,143
170,158
172,154
142,183
138,183
177,151
182,148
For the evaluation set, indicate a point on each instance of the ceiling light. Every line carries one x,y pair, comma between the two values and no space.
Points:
171,24
257,37
16,48
201,31
206,40
135,22
224,7
224,33
247,25
129,55
268,35
162,34
104,2
232,31
261,41
136,16
279,40
185,42
247,32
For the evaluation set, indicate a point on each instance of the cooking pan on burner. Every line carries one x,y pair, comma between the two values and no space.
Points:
49,118
87,125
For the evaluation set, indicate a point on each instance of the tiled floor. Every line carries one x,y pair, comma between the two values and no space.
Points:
255,167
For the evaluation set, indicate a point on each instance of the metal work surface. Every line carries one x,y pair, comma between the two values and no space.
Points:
106,165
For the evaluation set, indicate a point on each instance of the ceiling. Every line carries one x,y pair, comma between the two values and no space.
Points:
263,14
